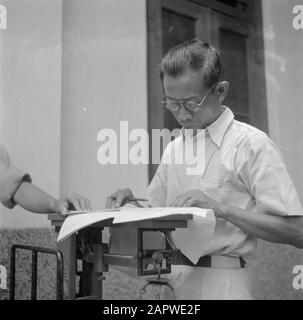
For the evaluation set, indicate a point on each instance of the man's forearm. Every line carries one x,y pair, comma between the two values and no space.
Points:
269,227
31,198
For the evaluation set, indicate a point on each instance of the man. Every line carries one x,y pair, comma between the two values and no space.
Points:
16,188
245,180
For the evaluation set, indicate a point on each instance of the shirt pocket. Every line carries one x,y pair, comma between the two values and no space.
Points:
218,190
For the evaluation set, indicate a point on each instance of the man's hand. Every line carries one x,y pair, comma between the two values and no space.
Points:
196,198
118,198
73,201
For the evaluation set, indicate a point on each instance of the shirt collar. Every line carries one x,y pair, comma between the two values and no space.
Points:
215,130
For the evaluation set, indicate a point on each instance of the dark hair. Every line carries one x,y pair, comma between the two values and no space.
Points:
196,55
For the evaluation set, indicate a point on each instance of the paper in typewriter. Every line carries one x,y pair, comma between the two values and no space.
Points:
192,241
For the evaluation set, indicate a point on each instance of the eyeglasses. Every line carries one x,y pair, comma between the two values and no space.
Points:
191,106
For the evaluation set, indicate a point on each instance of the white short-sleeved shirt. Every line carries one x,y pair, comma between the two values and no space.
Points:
243,168
10,179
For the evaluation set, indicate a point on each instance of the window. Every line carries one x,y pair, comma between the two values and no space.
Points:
234,28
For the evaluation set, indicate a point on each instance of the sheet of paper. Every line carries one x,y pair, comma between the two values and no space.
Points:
80,220
194,240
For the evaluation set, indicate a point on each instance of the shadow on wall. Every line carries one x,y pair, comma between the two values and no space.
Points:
271,270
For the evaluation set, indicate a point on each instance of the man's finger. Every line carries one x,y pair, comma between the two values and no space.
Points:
172,204
119,200
74,201
109,202
177,202
61,207
88,206
203,204
183,201
191,202
82,202
85,205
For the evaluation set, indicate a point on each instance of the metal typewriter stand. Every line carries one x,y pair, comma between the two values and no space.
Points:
96,258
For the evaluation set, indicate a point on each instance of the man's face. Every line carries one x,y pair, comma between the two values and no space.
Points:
190,86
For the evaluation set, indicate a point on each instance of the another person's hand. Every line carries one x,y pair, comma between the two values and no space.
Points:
74,201
118,198
196,198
